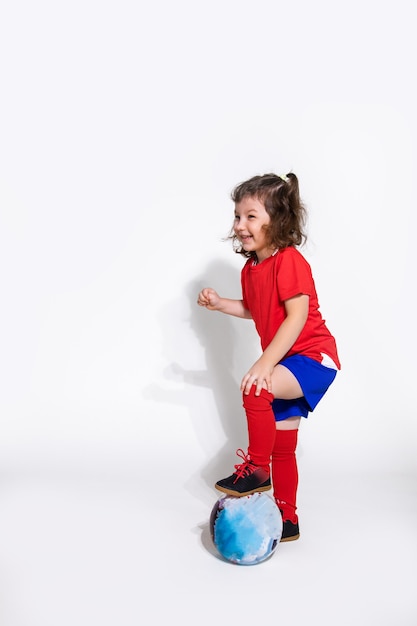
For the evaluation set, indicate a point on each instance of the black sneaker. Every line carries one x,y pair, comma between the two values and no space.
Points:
290,531
248,478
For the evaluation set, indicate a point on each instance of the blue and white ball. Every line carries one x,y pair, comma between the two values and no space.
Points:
246,530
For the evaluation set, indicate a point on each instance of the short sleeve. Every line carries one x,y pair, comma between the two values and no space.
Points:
293,275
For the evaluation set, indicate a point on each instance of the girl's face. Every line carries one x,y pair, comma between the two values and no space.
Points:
251,220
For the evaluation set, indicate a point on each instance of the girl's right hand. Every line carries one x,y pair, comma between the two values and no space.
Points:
209,298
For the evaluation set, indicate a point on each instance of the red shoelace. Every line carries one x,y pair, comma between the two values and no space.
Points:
243,469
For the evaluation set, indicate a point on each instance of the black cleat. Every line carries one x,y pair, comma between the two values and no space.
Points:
247,479
290,531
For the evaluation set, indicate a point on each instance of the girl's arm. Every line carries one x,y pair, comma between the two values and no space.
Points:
286,336
211,300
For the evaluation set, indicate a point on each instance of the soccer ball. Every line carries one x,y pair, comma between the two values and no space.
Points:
246,530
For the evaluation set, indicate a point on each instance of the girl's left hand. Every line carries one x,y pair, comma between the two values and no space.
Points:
260,374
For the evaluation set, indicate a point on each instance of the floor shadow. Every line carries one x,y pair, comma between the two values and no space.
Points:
207,541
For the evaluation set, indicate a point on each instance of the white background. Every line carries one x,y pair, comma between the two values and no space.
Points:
124,126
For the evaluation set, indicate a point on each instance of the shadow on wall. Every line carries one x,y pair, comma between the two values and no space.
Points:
223,340
227,344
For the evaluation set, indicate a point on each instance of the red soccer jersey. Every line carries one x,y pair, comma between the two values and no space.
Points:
266,286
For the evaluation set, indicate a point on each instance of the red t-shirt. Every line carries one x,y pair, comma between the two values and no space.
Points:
266,286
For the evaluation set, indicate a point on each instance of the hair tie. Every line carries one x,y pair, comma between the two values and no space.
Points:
285,178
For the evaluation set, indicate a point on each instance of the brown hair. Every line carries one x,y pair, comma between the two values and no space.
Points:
281,198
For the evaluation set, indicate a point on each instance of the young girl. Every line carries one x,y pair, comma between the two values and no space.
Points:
299,359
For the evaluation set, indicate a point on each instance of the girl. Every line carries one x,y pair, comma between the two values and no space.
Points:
299,359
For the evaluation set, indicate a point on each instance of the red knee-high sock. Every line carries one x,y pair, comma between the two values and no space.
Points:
285,473
261,426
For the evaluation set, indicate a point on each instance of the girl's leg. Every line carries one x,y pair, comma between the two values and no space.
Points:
254,473
284,384
284,469
284,461
260,416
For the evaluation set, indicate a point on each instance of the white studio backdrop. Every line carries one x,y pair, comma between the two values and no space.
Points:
123,131
124,126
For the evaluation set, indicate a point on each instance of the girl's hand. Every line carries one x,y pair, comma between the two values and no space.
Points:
260,374
209,299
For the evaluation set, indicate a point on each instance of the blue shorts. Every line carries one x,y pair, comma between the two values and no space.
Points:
314,379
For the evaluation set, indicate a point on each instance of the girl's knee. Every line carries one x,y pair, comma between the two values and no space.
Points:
251,400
